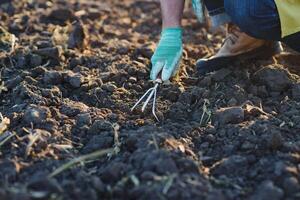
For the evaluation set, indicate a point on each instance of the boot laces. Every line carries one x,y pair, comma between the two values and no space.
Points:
233,33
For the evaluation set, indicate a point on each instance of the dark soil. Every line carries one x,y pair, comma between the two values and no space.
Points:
78,68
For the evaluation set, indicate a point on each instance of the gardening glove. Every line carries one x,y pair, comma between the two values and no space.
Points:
167,55
198,9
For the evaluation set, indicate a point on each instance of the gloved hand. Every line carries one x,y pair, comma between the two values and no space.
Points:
198,9
167,55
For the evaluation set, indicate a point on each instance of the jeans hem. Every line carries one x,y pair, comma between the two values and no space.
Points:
220,19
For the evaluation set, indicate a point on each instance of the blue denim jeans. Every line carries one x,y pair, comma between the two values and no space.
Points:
258,18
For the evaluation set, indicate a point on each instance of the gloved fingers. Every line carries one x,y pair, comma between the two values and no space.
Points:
156,69
167,71
171,66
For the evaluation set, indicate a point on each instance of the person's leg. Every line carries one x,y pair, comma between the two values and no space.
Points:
238,44
258,18
216,11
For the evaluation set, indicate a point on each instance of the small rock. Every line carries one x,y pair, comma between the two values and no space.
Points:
99,126
229,115
274,139
232,102
35,60
74,79
50,52
21,62
296,92
266,191
73,108
52,77
291,186
36,114
83,119
93,14
229,165
14,82
110,87
274,78
74,62
61,14
77,37
113,172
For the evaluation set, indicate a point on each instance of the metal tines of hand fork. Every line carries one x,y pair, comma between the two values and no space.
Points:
152,94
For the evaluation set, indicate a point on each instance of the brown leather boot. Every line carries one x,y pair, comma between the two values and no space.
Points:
237,45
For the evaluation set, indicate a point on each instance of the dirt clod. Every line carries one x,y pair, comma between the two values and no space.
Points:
36,114
229,115
100,125
53,77
270,75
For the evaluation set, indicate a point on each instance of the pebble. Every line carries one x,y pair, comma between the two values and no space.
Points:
99,126
83,119
74,79
49,52
232,102
53,77
275,140
228,115
73,108
35,60
36,114
14,82
61,14
77,38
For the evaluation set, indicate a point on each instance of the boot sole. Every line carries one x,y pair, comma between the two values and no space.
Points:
206,66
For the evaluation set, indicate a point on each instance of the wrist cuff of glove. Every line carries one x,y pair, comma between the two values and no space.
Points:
175,32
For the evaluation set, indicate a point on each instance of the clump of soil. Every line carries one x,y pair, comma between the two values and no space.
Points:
78,67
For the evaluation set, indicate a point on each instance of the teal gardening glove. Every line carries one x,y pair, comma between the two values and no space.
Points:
199,10
167,56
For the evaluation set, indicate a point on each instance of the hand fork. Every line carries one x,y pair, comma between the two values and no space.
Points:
152,93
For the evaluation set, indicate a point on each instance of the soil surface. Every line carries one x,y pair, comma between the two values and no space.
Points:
71,71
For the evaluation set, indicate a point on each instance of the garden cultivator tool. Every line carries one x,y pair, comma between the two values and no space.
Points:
149,94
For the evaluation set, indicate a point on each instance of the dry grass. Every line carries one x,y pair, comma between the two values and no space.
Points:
4,123
80,159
